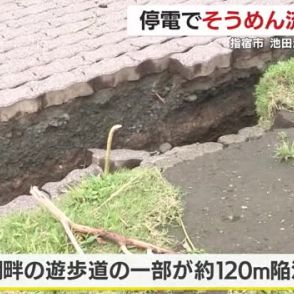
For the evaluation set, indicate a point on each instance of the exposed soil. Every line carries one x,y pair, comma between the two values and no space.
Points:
45,146
239,200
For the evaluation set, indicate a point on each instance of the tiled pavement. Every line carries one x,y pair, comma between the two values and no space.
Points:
51,49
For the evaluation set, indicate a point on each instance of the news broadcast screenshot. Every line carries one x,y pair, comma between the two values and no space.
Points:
147,146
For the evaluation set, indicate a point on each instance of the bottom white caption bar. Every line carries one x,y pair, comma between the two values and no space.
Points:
149,271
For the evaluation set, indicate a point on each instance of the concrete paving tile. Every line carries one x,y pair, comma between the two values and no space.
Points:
201,60
48,46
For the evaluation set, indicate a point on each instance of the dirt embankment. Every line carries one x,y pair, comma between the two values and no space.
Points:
41,147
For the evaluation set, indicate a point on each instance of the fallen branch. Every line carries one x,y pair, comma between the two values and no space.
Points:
159,97
120,240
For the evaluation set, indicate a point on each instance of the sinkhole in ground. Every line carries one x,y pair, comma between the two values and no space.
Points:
43,147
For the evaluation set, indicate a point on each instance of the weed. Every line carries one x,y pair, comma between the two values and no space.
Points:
275,91
285,149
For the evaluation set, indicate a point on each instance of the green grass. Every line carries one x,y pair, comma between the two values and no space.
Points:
261,292
87,292
284,150
143,210
275,90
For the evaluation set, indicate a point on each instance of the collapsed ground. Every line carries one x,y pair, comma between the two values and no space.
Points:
44,147
236,200
166,105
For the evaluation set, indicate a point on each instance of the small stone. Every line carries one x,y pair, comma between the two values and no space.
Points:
230,139
230,188
180,154
103,5
232,218
251,133
119,158
164,147
21,203
59,121
56,189
190,98
284,119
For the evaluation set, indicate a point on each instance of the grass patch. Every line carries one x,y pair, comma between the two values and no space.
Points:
262,292
284,150
275,90
144,210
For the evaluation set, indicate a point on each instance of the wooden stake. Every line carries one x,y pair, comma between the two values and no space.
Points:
108,148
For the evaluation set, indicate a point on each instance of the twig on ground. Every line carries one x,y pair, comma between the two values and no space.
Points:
159,97
124,222
120,240
189,241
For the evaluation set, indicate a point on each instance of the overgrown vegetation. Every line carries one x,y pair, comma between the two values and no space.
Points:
144,209
284,150
275,91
